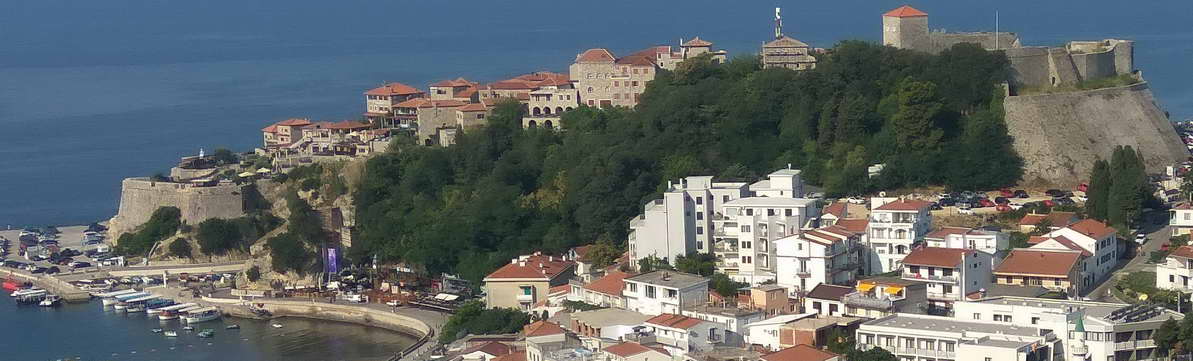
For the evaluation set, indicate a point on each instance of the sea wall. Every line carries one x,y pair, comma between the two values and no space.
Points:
140,197
1060,135
63,289
1076,61
333,312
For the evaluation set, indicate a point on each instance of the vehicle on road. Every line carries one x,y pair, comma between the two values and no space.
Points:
947,202
986,203
856,200
1003,208
1001,200
1006,193
1021,194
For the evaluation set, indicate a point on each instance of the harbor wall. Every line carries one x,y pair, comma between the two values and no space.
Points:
140,197
197,269
333,312
67,291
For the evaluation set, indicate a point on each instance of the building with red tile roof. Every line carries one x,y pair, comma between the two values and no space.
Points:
1055,220
284,133
671,320
801,353
604,80
854,225
486,351
905,11
512,356
895,225
1057,270
626,351
950,273
596,55
542,328
526,280
1176,271
380,102
606,291
1095,240
905,205
989,241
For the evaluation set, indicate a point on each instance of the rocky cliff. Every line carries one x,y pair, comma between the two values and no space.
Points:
1060,135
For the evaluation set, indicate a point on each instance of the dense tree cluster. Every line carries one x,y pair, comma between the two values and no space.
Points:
180,248
292,250
164,222
1119,189
218,236
473,318
501,190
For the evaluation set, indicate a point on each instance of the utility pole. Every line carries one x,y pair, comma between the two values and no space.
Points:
996,30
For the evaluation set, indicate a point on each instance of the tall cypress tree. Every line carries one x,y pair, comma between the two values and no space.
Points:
1098,191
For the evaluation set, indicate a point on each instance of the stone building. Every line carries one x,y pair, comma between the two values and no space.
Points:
786,52
548,101
380,102
668,59
907,28
472,115
457,89
604,80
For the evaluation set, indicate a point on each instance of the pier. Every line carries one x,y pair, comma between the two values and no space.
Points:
67,291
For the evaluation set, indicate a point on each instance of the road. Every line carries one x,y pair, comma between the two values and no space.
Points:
1158,233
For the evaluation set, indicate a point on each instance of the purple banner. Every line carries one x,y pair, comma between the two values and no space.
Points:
332,267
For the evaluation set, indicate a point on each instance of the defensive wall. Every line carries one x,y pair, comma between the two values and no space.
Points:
1038,66
1060,135
140,197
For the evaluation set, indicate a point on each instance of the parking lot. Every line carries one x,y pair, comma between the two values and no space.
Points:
67,242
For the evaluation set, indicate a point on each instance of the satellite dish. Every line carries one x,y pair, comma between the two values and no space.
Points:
882,194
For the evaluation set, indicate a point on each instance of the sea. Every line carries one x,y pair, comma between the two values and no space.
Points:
90,331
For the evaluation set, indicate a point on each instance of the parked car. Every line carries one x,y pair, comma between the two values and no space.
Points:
986,203
1006,193
1164,247
53,270
856,200
947,202
1083,187
1140,238
1003,208
39,270
80,264
1054,193
1021,194
1049,203
935,206
1065,201
1001,200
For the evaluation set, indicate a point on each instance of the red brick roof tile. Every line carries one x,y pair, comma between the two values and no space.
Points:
532,267
1183,252
1039,262
1093,228
627,349
838,209
1068,243
512,356
493,348
697,41
672,320
904,205
542,328
611,284
294,122
800,353
936,256
854,225
597,55
394,89
905,11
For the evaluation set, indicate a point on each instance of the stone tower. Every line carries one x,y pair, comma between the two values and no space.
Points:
906,28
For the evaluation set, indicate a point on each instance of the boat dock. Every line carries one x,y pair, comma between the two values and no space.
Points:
67,291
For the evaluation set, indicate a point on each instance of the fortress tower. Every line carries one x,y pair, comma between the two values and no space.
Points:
906,28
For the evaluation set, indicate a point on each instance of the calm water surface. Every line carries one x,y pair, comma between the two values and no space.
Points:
95,91
89,332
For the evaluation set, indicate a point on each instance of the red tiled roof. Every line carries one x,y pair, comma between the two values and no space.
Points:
1039,262
597,55
294,122
822,237
394,89
637,60
581,251
904,205
1184,206
611,284
1036,239
493,348
854,225
452,83
473,107
564,288
627,349
1183,252
838,209
442,103
542,328
532,267
672,320
799,353
935,256
270,129
697,41
1092,228
905,11
947,231
512,356
512,84
1068,243
466,93
1058,219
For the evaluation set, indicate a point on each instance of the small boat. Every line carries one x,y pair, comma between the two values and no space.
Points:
50,301
206,333
156,330
202,315
188,328
167,315
26,291
276,325
171,333
232,327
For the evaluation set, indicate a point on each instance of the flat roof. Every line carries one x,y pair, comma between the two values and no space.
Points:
771,201
610,317
948,324
723,311
669,279
1097,310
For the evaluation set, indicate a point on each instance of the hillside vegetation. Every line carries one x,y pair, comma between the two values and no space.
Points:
501,190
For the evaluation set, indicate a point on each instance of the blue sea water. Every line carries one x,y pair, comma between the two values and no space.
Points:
95,91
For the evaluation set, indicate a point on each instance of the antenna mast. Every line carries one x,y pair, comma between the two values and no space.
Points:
778,24
996,30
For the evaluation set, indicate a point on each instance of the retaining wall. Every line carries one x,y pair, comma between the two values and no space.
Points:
63,289
140,197
337,312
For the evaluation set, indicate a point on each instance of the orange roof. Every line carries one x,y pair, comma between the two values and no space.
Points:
598,55
611,284
854,225
1093,228
672,320
473,107
512,356
905,11
564,288
442,103
1039,262
542,328
413,103
513,84
270,129
294,122
394,89
1069,244
904,205
838,209
452,83
627,349
637,60
697,41
493,348
581,251
466,93
800,352
948,231
535,266
1036,239
1183,252
935,256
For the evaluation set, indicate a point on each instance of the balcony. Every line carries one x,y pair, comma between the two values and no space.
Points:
803,273
858,299
942,296
522,298
722,247
727,264
1131,345
922,277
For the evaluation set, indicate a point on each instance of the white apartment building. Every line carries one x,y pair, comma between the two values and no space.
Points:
733,320
690,216
662,292
1176,270
766,332
950,273
972,238
914,337
748,230
895,224
1098,242
828,255
1182,219
680,334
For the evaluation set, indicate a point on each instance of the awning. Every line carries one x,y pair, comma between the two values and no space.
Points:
894,290
865,287
246,174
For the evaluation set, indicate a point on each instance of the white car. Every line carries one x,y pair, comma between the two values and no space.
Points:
856,200
966,211
1140,238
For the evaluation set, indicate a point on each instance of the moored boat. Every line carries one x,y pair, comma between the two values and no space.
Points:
50,301
25,291
202,315
175,308
112,301
171,333
207,333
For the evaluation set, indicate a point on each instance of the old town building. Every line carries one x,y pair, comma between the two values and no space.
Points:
381,101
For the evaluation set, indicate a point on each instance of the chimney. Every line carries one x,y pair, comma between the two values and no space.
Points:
514,261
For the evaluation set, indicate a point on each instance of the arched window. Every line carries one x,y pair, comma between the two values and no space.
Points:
900,234
546,110
428,142
567,109
558,110
548,125
537,111
532,124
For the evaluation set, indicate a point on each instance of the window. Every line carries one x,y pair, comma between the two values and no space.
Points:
770,212
747,259
527,290
699,230
650,292
672,293
699,244
699,200
699,216
762,260
747,244
745,228
633,287
635,83
947,289
616,83
997,318
787,212
749,211
1035,320
724,198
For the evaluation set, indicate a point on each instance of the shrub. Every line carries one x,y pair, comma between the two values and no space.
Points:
253,273
163,223
180,248
474,318
218,236
289,254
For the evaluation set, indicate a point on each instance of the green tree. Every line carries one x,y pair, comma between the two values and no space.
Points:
840,342
164,222
289,254
253,273
915,122
225,156
218,236
1098,191
874,354
473,318
652,263
703,264
724,285
180,248
602,254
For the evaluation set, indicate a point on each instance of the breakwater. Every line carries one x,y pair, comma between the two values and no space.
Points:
67,291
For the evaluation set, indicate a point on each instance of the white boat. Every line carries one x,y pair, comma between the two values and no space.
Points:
167,315
50,301
115,293
154,311
276,325
109,301
203,315
171,333
135,304
25,292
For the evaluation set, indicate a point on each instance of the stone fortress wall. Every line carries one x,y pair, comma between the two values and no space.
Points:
1037,66
140,197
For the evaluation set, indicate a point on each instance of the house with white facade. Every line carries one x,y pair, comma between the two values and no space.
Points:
633,351
871,298
972,238
662,292
766,332
1176,270
605,291
1181,219
680,334
733,320
606,324
950,273
748,229
830,255
895,224
1098,243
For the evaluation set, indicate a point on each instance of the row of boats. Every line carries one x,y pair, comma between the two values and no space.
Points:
36,295
132,301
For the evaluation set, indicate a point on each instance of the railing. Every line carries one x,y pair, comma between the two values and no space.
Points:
861,300
1131,345
526,298
941,296
918,276
727,264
